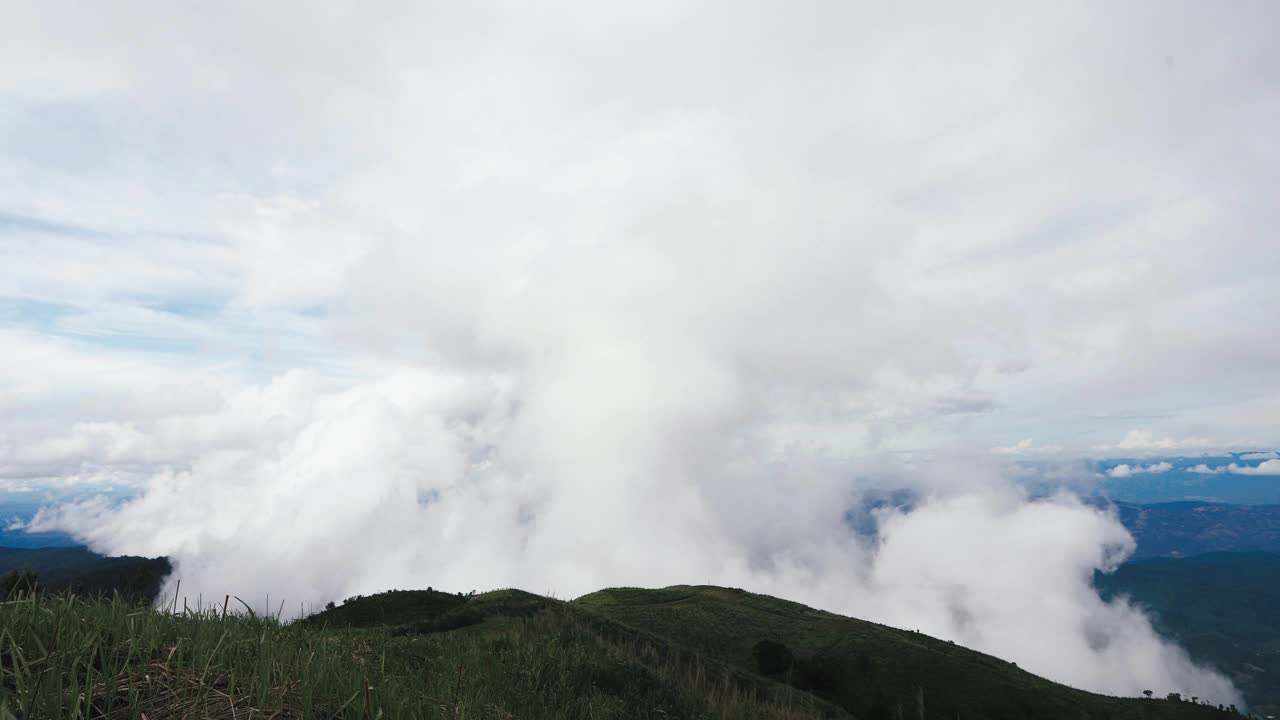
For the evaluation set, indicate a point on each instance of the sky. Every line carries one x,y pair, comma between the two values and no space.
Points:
591,293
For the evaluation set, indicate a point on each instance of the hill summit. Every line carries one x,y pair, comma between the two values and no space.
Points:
689,652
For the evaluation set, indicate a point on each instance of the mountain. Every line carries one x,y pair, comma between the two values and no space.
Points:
835,665
78,570
1224,608
871,670
1181,529
679,652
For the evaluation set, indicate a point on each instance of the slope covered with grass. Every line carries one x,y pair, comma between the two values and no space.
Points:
871,670
517,656
685,652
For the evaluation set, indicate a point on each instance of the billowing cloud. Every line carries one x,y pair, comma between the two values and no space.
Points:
430,478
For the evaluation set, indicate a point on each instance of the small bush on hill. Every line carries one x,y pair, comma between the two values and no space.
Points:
773,659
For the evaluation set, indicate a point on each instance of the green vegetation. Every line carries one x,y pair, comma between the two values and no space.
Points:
1224,608
683,652
77,570
871,670
526,657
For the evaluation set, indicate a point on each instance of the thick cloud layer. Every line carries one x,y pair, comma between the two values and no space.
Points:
564,297
433,479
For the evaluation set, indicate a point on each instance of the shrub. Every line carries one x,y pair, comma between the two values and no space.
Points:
772,658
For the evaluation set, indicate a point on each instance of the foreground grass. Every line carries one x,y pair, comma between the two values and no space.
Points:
503,655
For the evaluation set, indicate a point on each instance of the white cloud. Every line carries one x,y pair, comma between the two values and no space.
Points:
423,450
1027,447
1203,469
1145,440
1267,467
1270,455
1125,470
1022,446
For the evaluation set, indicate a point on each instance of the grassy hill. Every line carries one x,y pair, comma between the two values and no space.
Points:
1224,608
871,670
516,655
683,652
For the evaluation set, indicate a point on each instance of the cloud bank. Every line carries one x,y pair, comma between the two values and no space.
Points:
427,478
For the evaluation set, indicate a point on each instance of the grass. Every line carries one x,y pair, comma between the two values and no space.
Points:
680,653
871,670
68,657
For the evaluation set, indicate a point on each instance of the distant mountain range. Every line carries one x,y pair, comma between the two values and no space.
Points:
1184,529
77,570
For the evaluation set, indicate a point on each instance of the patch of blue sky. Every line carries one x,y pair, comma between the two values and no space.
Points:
50,319
19,224
190,308
142,343
36,314
22,503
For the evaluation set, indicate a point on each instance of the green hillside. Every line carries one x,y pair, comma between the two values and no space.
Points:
872,670
509,655
686,653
